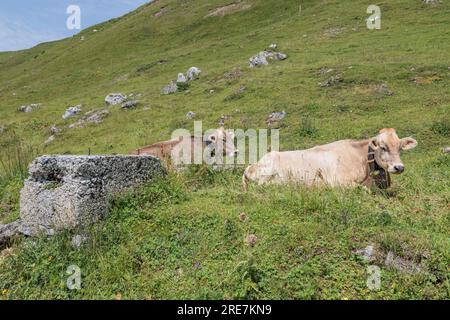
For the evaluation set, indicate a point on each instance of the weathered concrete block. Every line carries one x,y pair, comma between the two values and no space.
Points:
66,192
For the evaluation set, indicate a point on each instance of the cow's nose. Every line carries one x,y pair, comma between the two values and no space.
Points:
399,168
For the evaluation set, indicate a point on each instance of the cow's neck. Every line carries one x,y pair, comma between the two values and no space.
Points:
378,176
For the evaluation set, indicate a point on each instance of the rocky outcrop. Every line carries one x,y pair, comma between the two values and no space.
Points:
181,78
264,57
66,192
91,117
332,81
71,111
193,73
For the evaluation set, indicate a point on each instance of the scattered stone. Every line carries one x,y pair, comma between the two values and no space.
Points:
333,80
129,104
78,240
275,117
384,89
190,115
72,111
263,58
193,73
181,78
55,130
170,88
324,70
446,150
251,240
93,116
29,108
67,192
273,46
49,140
2,128
115,98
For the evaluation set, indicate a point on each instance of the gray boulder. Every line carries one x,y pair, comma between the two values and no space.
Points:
263,58
29,108
129,104
72,111
67,192
275,116
193,73
181,78
115,98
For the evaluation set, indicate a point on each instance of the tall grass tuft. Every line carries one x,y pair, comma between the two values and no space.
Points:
15,158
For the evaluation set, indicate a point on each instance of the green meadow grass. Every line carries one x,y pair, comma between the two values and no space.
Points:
182,238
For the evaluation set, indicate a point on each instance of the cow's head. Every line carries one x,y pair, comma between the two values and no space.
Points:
221,139
387,147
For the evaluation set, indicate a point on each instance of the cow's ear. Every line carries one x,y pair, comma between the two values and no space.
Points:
408,143
374,143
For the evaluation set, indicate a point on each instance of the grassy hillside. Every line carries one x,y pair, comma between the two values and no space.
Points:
183,238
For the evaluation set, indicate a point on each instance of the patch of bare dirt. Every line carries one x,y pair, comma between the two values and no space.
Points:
425,79
229,9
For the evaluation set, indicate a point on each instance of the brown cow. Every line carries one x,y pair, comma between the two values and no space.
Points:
341,163
181,150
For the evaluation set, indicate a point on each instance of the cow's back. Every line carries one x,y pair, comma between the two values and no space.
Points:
331,164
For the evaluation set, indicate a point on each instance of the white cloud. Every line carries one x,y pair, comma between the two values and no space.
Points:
16,35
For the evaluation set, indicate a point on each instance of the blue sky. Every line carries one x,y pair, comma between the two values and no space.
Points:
25,23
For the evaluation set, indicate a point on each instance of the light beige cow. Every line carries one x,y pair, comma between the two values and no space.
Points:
341,163
181,150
